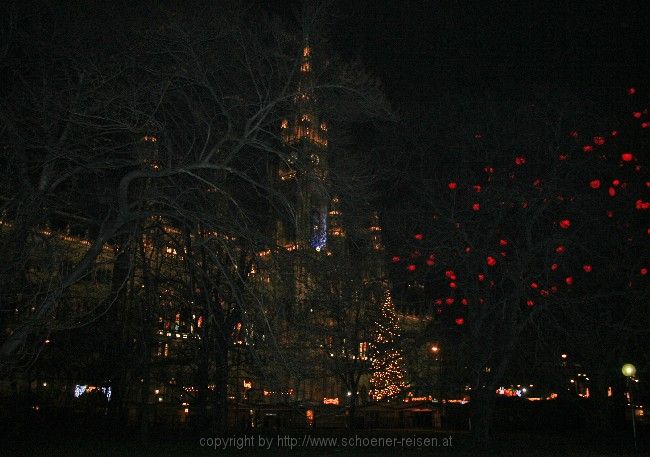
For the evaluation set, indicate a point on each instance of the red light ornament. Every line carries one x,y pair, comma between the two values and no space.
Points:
418,236
460,321
491,261
452,186
565,224
569,280
631,91
411,267
476,207
587,268
594,183
599,140
395,259
627,157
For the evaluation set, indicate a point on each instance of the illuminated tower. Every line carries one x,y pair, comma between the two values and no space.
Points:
303,175
375,266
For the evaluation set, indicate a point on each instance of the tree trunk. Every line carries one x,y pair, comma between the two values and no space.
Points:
220,409
482,416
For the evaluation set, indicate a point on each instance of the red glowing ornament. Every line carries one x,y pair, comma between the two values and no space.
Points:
477,188
594,183
569,280
631,91
616,182
503,242
438,301
395,259
610,213
611,191
464,301
627,157
560,249
563,156
643,271
555,265
491,261
476,207
599,140
418,236
460,321
452,186
574,134
641,205
452,285
450,275
411,267
636,114
587,148
614,133
543,293
645,125
481,276
530,303
565,223
449,300
554,289
534,285
520,160
587,268
430,262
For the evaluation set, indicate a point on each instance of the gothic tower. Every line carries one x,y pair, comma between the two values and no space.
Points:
302,178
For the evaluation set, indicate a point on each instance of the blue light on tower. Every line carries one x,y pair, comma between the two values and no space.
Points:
319,229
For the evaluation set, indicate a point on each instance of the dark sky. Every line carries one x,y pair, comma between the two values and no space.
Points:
419,48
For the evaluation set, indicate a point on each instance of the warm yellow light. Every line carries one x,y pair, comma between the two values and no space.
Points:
628,370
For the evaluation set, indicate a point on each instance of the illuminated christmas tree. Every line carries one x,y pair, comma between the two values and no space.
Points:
388,376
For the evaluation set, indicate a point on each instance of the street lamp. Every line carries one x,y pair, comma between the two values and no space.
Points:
629,371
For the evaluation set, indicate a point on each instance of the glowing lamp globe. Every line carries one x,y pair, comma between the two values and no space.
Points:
628,370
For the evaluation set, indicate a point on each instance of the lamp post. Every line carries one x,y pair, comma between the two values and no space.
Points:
629,371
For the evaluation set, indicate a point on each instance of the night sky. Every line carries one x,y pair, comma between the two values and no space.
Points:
421,48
